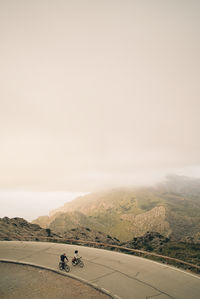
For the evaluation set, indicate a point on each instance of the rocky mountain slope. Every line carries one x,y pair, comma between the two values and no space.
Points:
171,209
20,229
155,242
86,234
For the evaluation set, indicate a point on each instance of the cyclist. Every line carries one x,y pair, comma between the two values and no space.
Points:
76,256
63,257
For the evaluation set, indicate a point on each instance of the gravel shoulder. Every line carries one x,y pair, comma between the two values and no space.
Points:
19,281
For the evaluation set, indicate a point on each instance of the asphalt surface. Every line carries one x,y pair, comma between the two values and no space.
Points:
124,275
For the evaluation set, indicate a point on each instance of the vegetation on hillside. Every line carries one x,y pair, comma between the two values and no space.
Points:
171,209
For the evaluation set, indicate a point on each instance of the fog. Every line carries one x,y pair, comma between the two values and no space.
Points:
97,94
29,205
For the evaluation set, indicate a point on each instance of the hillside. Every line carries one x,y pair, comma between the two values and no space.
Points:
155,242
86,234
171,209
20,229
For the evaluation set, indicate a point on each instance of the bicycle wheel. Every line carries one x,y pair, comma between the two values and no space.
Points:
74,263
60,266
67,268
81,264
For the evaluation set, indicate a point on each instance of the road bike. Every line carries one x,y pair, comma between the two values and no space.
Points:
78,262
64,266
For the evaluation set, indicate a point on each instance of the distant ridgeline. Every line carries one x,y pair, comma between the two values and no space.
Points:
171,209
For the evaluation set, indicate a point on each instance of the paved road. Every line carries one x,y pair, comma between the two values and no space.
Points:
124,275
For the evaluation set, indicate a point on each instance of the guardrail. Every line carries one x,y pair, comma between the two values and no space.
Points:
121,248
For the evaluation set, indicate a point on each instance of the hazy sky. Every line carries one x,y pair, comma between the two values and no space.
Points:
30,205
98,93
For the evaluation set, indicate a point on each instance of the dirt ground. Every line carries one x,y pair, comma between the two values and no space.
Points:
19,281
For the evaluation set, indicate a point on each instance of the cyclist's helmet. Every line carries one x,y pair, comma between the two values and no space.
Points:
76,251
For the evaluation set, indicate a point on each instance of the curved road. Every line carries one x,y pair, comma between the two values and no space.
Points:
124,275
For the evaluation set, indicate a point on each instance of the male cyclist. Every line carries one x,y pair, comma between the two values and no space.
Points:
62,259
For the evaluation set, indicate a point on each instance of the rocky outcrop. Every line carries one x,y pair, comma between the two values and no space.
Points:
153,220
86,234
20,229
151,241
